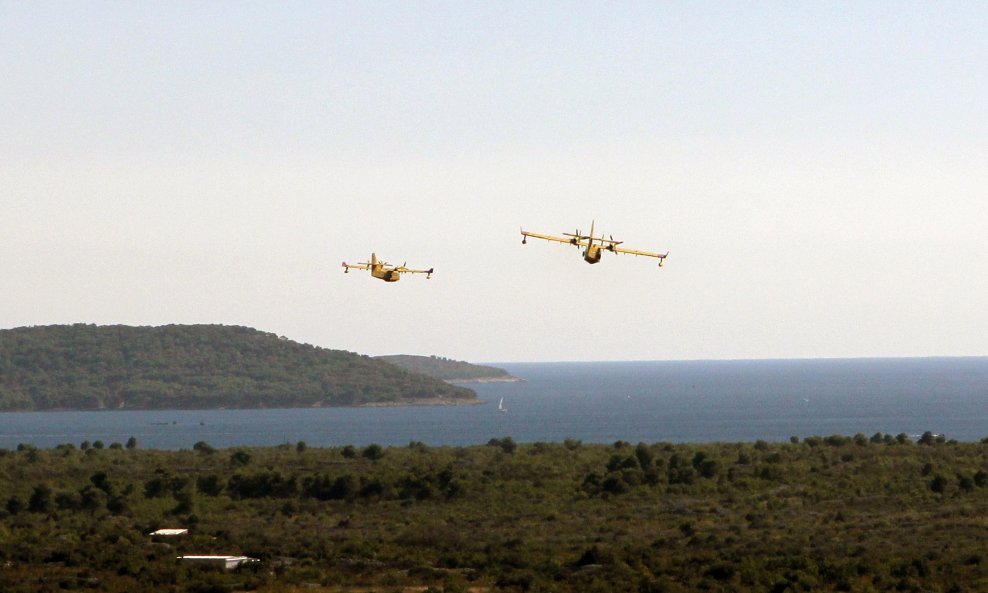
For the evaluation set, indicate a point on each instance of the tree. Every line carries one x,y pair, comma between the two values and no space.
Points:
131,443
373,452
204,448
708,468
15,505
508,445
644,456
185,502
41,499
239,458
92,499
210,485
101,481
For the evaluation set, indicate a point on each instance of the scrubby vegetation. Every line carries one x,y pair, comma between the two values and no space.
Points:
446,369
836,513
86,367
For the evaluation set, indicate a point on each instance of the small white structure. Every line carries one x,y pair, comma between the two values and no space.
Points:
170,532
224,562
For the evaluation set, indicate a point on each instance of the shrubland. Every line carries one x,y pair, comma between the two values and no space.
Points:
835,513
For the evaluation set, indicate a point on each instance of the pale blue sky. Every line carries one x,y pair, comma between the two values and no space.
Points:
818,172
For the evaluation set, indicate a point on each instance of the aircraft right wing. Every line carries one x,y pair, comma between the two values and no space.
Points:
527,234
360,266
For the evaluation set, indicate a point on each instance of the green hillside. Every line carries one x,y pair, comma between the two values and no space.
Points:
447,369
87,367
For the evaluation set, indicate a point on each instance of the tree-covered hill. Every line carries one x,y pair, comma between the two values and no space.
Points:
87,367
447,369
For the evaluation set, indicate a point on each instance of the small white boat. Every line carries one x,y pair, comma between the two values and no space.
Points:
500,406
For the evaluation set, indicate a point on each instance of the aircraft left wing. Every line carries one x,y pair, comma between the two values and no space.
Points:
404,270
616,249
360,266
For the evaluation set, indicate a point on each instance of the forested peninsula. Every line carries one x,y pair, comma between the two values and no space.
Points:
90,367
447,369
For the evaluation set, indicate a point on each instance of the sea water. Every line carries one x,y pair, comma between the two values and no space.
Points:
690,401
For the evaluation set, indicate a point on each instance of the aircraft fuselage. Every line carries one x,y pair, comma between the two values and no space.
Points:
386,275
592,254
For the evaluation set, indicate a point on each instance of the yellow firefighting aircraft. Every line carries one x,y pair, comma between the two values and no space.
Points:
593,247
384,270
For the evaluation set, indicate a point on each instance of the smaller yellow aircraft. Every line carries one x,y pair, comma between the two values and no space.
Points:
384,270
593,247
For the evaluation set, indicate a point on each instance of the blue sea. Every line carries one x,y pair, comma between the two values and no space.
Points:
602,402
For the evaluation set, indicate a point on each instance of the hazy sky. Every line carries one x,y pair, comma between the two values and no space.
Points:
818,172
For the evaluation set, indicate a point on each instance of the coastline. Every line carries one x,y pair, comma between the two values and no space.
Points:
508,379
428,401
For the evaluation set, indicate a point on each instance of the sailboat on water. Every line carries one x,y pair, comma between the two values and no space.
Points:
500,406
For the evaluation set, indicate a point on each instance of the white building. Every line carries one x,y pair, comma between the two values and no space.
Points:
169,532
224,562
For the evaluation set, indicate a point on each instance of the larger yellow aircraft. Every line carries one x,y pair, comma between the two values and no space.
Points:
384,270
593,247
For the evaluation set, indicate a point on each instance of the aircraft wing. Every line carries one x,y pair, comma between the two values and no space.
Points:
360,266
616,249
573,241
405,270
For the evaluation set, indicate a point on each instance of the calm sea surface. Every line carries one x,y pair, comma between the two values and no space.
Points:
702,401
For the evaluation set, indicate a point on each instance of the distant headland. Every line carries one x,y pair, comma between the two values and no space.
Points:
118,367
449,370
